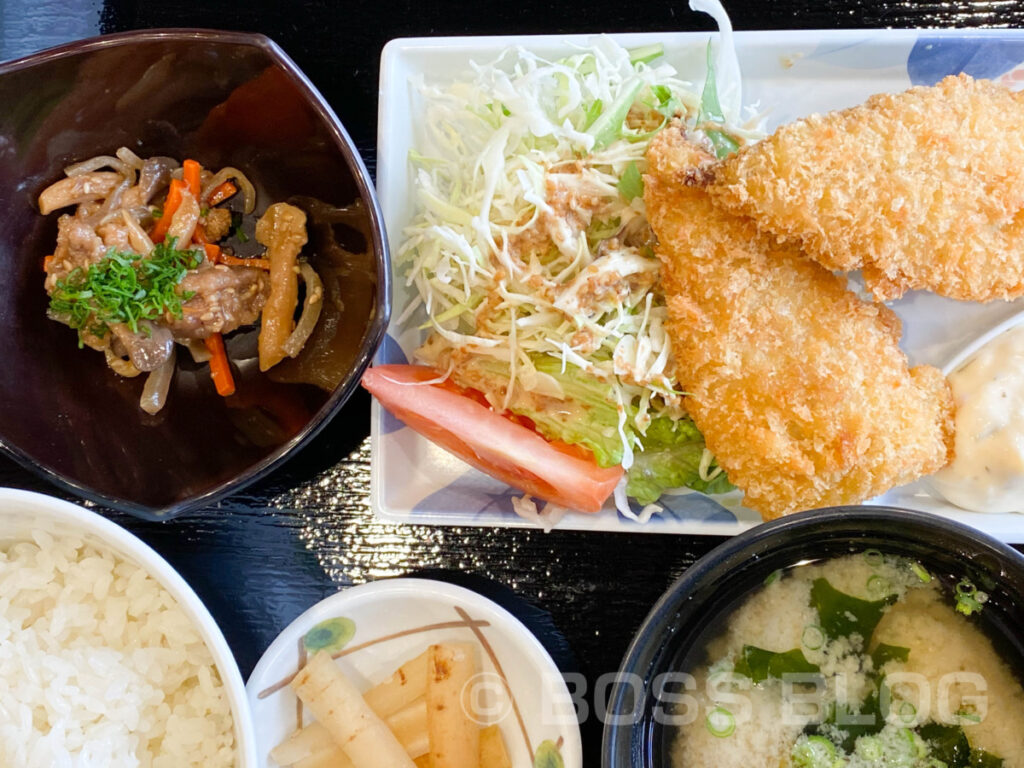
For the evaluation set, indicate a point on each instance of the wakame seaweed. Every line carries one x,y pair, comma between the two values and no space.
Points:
759,664
842,615
884,653
949,744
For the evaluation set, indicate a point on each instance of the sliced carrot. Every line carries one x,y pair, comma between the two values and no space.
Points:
220,368
212,249
212,252
47,261
217,256
190,172
222,192
171,204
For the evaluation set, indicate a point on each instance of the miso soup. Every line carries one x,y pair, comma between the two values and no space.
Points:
861,660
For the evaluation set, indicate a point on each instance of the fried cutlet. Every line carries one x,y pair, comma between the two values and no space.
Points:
798,385
922,189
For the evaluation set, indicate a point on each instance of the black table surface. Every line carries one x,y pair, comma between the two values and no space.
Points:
261,557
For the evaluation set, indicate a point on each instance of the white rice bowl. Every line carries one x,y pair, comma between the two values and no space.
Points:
107,658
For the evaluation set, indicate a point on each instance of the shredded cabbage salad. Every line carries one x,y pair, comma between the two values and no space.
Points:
532,258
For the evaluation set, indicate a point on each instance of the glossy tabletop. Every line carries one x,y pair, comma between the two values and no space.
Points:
261,557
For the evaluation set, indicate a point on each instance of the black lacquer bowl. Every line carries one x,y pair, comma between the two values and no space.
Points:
223,99
637,733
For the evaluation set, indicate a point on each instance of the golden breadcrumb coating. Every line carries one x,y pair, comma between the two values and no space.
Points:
922,189
798,385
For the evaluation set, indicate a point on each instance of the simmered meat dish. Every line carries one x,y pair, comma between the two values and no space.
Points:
144,264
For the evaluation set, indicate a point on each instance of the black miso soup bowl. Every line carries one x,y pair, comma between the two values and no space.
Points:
635,733
223,98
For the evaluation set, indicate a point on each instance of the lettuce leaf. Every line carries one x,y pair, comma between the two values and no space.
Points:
590,417
727,63
711,112
671,456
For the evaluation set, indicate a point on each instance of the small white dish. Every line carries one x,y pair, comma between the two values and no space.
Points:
394,621
22,512
968,351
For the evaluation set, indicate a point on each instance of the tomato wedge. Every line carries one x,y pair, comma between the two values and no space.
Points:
490,442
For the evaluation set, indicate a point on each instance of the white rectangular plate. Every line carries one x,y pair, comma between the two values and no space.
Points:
786,75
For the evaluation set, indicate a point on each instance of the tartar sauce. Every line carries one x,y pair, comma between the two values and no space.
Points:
987,473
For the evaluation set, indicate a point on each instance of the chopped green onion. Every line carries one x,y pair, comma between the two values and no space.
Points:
124,287
813,752
813,637
870,748
720,722
878,586
920,572
874,557
966,587
968,599
772,577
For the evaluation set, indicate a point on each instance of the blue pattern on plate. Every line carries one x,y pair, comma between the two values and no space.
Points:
390,352
932,58
471,495
689,507
866,54
479,496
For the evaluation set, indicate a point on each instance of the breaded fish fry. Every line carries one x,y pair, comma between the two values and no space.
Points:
799,386
922,189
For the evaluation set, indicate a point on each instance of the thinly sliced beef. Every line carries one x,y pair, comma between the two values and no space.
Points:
224,299
155,175
149,348
78,245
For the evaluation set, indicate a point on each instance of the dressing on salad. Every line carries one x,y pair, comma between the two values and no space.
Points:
532,258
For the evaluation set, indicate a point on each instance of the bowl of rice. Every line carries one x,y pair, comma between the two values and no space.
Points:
107,657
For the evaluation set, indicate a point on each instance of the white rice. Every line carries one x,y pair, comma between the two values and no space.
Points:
99,666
